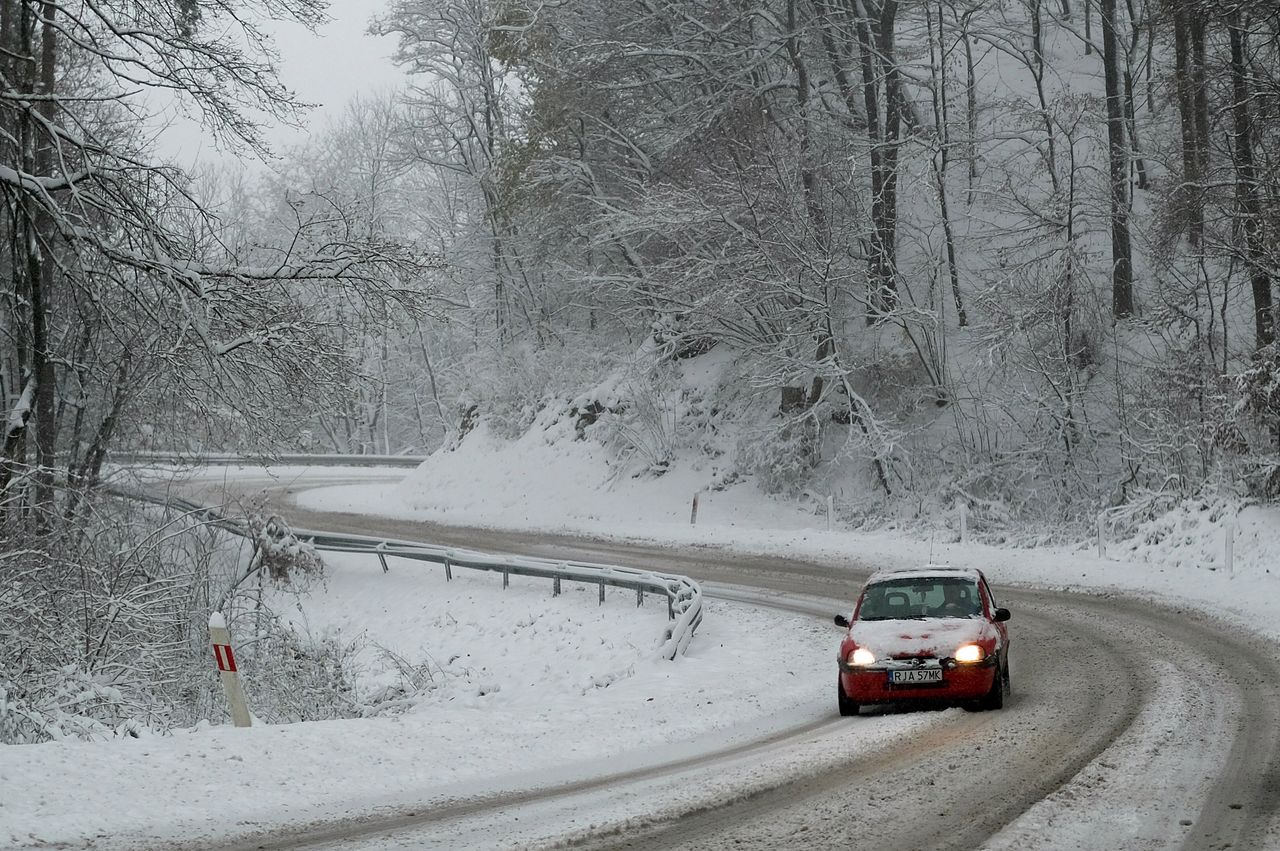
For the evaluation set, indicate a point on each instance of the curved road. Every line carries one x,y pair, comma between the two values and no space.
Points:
1131,726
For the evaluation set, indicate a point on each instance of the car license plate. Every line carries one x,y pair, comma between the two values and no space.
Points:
915,676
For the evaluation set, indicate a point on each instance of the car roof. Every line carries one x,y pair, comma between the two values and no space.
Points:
932,571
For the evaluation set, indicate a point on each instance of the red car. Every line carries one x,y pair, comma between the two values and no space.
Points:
932,635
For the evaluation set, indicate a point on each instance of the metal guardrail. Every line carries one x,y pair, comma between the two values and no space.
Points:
179,457
684,596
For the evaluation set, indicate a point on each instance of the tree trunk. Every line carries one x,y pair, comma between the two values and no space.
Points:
876,37
1139,163
1201,92
1247,188
15,432
1188,196
42,270
89,472
1037,38
971,96
940,164
1129,109
871,104
1121,258
836,56
893,108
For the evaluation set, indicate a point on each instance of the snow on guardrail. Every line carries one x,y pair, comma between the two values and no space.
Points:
179,457
684,596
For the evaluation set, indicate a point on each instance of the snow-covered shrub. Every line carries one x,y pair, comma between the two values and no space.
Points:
523,382
69,703
1257,393
279,552
643,430
102,625
1259,385
780,455
291,676
403,683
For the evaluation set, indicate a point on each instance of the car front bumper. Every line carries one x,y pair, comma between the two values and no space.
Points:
959,682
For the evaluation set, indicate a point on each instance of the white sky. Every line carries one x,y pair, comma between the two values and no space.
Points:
326,68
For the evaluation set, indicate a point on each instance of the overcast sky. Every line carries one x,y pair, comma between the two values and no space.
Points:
326,68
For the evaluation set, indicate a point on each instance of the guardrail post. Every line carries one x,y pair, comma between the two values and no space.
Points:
639,597
220,638
506,579
555,587
602,593
448,570
382,557
671,608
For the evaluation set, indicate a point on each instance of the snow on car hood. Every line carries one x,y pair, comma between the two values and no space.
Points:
930,636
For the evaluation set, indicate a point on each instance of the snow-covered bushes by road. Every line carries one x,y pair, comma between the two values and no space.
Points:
1191,537
100,628
103,630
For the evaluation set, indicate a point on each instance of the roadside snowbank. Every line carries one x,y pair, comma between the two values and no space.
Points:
548,480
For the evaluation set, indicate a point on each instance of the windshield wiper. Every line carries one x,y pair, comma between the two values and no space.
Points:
893,618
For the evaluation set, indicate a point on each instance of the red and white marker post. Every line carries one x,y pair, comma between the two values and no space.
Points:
226,662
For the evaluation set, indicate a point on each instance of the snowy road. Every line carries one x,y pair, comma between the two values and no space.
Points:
1131,726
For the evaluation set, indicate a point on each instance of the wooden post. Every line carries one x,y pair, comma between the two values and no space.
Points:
1102,541
964,522
831,509
225,659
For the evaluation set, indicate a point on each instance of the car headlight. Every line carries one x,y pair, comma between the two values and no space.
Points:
861,658
969,653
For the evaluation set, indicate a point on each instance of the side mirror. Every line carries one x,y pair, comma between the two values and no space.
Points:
841,620
1001,615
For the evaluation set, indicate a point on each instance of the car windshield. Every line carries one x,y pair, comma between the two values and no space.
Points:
915,598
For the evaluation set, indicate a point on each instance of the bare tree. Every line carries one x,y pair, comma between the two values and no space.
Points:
125,285
1118,160
1251,225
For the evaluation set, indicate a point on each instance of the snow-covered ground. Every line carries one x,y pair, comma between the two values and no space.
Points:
528,689
525,688
1178,557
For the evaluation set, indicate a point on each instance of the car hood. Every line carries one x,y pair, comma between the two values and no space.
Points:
930,636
